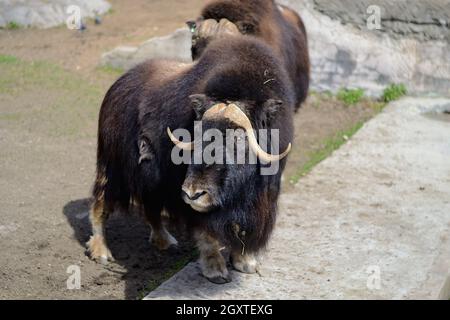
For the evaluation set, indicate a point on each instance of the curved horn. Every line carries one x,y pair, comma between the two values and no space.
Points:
227,27
182,145
233,113
212,28
207,28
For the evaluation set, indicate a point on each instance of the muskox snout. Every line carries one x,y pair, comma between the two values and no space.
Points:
198,198
192,194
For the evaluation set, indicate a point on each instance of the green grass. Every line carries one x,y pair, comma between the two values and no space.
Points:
328,146
327,93
111,70
394,92
47,99
378,106
177,266
12,25
5,59
350,96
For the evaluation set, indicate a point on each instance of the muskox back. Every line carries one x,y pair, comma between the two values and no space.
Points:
279,26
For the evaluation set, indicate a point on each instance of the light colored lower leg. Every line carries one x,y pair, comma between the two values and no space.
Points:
212,263
162,239
97,247
246,263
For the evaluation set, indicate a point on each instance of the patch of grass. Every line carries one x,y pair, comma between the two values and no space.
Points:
111,70
327,94
12,25
350,96
177,266
7,59
394,92
378,106
49,99
329,146
10,117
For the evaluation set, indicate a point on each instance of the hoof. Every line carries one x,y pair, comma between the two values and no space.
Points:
244,263
212,263
98,251
162,240
220,279
215,270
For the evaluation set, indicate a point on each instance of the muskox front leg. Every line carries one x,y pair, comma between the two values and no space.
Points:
212,262
244,262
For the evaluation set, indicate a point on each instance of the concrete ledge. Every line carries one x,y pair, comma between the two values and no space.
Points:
370,222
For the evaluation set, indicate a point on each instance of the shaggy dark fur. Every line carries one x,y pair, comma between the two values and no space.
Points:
156,95
279,26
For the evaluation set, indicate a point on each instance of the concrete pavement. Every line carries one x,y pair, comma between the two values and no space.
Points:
370,222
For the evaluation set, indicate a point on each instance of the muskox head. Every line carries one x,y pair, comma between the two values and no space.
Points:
203,31
229,139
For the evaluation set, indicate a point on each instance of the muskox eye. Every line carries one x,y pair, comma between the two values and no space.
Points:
245,28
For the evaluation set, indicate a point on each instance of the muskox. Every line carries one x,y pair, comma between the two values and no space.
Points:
279,26
238,82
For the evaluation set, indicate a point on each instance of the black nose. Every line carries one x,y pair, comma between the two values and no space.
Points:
195,196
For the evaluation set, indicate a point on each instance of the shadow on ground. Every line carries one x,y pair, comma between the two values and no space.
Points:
141,266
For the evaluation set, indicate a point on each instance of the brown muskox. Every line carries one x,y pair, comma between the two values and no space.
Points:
237,83
279,26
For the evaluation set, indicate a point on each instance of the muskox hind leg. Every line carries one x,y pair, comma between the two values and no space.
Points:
96,245
244,262
159,236
212,262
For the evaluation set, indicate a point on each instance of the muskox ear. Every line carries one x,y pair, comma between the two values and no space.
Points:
272,106
145,149
199,103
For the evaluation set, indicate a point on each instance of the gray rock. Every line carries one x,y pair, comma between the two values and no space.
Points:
345,56
423,20
3,22
47,13
175,46
120,57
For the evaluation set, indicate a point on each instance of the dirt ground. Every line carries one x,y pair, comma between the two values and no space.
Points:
49,101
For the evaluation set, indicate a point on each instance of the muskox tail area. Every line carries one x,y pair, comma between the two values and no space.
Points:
293,17
110,188
115,118
302,89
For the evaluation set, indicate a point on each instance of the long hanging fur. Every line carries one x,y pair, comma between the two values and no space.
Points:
155,95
